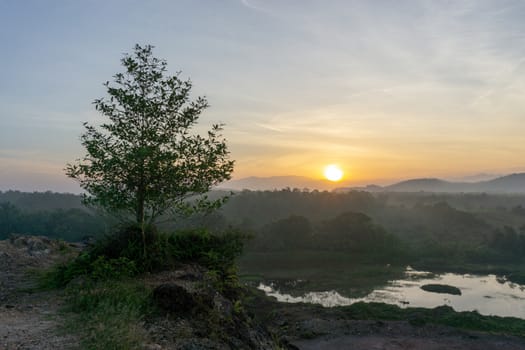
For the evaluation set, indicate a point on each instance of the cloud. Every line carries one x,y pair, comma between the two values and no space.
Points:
254,5
269,127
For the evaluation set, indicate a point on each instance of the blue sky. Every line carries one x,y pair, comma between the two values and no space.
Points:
386,89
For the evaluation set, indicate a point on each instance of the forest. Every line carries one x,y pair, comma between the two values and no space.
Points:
433,230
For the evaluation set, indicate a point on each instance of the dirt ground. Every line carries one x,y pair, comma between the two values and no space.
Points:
29,320
395,335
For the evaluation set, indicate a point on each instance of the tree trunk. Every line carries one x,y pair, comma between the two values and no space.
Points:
141,216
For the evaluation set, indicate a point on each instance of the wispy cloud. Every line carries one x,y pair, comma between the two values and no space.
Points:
254,5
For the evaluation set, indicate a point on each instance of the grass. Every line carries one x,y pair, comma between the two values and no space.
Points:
107,306
109,314
443,315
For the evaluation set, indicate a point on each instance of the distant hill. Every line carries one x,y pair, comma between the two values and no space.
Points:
475,178
514,183
277,182
427,185
509,183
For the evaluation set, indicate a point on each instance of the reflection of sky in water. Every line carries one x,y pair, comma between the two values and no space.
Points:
488,294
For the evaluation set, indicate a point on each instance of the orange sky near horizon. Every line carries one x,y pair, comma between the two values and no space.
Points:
387,90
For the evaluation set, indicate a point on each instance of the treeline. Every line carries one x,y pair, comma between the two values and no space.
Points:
38,201
67,224
458,227
424,227
349,232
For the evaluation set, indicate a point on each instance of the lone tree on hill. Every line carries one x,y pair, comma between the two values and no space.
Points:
144,160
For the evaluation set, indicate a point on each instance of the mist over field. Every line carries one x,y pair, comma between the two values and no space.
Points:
434,229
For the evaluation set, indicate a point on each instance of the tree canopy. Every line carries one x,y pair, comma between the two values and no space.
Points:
145,160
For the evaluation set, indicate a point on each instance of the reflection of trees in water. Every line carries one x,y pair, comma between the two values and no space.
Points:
482,293
298,272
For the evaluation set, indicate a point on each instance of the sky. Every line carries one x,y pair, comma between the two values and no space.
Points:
387,90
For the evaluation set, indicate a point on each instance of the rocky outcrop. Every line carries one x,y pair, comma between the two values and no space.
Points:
19,254
196,313
195,309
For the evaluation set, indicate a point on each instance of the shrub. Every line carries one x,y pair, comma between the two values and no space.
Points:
128,243
103,269
214,251
121,255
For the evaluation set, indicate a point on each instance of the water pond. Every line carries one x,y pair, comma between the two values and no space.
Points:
487,294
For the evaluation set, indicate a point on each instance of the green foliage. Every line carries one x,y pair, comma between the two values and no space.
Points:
9,219
254,209
144,160
109,314
62,274
444,315
348,232
509,243
121,255
108,308
354,232
214,251
104,269
128,242
91,269
238,308
68,224
41,201
293,232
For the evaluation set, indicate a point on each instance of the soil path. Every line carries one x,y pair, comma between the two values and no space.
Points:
30,320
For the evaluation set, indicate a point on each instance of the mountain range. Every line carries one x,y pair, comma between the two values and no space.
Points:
514,183
278,182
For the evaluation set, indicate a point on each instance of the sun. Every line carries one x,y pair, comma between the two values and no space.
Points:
333,173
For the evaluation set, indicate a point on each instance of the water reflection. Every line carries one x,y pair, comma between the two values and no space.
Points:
487,294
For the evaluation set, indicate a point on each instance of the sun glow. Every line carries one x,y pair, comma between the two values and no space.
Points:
333,173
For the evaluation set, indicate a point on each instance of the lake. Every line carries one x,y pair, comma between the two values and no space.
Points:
487,294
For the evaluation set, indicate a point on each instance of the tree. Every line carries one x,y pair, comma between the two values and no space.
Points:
353,232
290,233
9,218
145,161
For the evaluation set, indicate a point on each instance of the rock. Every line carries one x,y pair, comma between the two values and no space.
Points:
189,273
175,298
19,241
200,315
441,288
37,244
223,306
33,244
